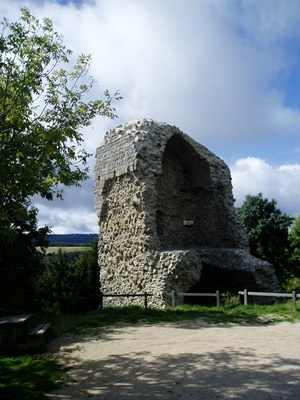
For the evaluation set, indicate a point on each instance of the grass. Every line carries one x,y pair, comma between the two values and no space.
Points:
29,377
55,249
231,313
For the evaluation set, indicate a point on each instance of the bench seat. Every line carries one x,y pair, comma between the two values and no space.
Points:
39,335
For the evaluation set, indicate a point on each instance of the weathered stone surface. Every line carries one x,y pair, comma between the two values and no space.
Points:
165,210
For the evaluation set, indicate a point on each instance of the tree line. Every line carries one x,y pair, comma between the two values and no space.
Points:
273,236
73,239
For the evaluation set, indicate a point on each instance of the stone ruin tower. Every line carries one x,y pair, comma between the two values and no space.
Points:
167,220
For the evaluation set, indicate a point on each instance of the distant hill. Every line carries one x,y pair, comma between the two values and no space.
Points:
74,239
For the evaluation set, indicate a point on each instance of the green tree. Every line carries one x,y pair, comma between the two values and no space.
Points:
63,280
44,107
294,239
21,263
87,271
267,229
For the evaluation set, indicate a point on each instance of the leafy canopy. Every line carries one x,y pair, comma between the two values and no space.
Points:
43,109
64,277
294,239
267,229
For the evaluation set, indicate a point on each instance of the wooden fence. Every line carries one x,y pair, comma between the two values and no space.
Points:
292,295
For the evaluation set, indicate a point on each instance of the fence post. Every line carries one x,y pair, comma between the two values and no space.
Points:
146,301
218,298
294,299
245,297
101,301
173,298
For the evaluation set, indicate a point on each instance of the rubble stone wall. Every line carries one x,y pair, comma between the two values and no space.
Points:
161,198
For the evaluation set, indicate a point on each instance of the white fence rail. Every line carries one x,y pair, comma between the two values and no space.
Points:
294,296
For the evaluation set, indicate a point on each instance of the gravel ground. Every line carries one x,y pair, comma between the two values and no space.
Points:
186,360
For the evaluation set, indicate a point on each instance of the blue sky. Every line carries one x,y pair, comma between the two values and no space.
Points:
226,72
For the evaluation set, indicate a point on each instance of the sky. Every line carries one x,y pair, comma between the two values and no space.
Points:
226,72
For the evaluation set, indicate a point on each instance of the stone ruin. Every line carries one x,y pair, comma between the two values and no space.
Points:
167,218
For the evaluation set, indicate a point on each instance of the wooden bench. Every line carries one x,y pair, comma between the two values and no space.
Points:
39,335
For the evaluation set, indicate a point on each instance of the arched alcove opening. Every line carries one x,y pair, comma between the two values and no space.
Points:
223,280
188,206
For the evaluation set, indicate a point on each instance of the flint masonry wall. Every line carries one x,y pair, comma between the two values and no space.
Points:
165,209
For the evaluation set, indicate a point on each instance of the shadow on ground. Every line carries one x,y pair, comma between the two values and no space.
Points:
224,374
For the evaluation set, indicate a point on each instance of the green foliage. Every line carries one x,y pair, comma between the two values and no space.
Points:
294,239
43,108
28,378
20,264
267,229
292,283
65,278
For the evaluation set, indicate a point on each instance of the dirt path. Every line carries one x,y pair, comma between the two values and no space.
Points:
187,360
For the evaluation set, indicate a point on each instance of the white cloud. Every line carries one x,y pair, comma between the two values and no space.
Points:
209,67
189,66
74,214
67,220
253,175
